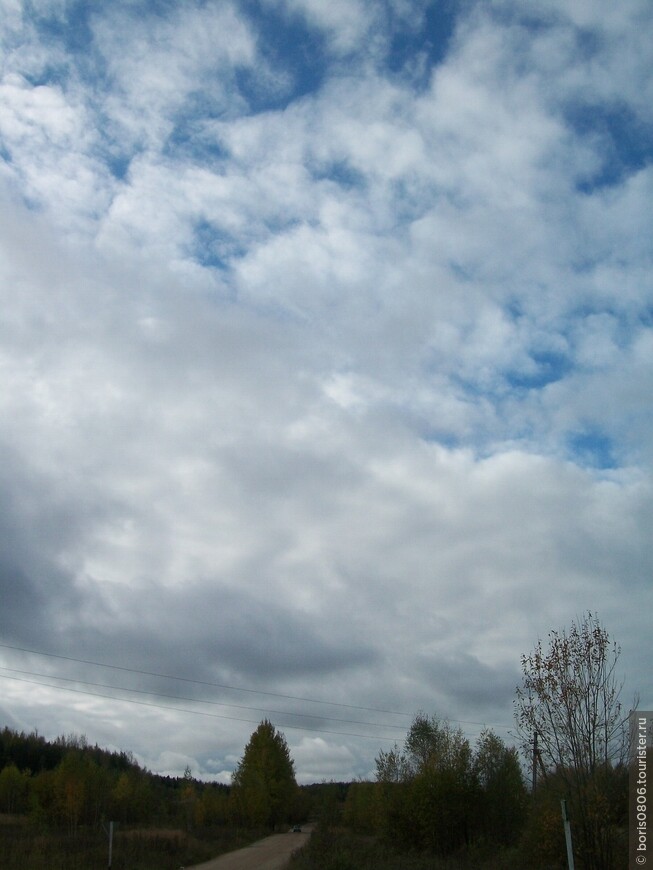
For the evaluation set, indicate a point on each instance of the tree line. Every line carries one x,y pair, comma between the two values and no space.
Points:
68,784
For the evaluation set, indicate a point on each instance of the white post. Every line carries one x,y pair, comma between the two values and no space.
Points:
570,850
110,843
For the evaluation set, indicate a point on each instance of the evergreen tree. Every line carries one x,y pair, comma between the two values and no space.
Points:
264,785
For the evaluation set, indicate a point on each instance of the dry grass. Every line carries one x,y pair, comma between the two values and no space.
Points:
6,819
158,848
154,833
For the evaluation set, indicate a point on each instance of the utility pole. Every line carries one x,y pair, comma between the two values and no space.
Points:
534,761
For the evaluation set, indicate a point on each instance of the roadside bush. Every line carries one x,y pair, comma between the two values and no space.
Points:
338,849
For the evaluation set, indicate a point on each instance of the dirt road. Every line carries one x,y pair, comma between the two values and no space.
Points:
273,853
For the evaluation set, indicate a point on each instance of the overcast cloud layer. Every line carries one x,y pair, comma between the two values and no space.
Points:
326,364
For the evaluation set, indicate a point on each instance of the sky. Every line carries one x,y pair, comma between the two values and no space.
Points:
326,365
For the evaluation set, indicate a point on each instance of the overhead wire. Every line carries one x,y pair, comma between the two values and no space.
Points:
197,700
193,712
203,682
207,683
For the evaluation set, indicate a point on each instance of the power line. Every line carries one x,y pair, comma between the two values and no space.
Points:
186,710
197,700
203,682
237,689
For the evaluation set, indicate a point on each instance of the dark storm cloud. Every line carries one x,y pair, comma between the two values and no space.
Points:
221,635
38,596
23,613
463,680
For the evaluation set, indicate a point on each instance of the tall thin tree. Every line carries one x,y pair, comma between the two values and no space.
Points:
570,699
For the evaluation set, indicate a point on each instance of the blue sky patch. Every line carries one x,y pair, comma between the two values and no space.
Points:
118,165
444,439
73,30
211,249
593,448
625,141
646,316
190,140
340,172
73,35
549,367
289,45
416,52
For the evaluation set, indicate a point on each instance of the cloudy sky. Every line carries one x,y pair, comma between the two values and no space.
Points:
326,364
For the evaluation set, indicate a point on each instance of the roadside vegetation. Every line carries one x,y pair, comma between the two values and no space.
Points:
148,848
341,849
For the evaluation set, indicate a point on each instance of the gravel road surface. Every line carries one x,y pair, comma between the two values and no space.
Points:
272,853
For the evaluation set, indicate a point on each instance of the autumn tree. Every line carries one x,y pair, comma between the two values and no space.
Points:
392,766
570,700
264,785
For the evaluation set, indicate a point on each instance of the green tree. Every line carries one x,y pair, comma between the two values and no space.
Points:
14,788
97,793
43,799
122,798
211,806
70,786
264,786
569,697
426,791
360,810
502,798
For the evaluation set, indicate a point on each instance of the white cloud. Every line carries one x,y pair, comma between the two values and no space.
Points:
319,760
49,143
154,67
346,22
291,405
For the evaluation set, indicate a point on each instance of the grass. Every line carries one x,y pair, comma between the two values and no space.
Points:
23,848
